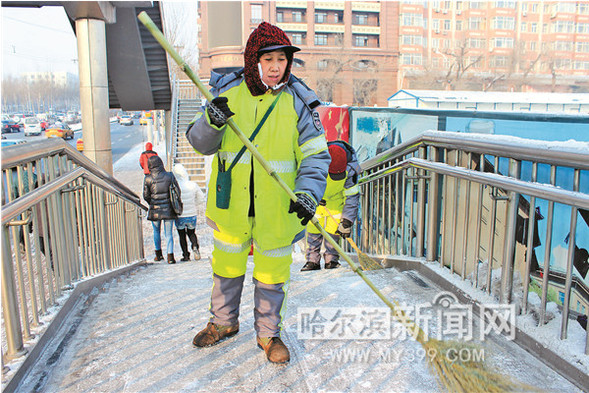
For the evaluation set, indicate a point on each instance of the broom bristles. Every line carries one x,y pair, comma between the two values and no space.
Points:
466,375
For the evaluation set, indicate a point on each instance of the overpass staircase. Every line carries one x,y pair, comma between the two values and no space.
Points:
187,101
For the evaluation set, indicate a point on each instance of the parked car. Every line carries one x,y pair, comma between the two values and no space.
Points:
9,125
18,118
72,117
126,120
11,142
32,126
59,130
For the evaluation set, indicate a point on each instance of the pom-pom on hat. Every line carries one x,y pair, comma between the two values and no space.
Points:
265,38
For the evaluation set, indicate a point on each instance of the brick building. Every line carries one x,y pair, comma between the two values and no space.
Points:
361,52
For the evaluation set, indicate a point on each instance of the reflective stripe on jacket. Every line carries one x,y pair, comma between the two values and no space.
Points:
290,141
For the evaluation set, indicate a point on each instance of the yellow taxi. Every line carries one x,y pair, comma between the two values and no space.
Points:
145,117
59,130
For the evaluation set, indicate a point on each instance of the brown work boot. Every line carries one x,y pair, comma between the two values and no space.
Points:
214,333
276,351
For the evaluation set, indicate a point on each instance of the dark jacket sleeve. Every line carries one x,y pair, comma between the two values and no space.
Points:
147,189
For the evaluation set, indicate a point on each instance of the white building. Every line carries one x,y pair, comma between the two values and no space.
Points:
491,101
58,78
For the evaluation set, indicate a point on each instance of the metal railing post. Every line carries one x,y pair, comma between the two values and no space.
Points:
570,261
432,210
10,311
509,243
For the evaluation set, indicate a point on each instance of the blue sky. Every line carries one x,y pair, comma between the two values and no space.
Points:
37,39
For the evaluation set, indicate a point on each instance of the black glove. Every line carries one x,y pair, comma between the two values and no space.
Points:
219,111
344,229
304,207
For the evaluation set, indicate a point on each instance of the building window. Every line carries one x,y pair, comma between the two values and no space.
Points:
505,4
320,17
503,23
279,17
533,27
582,8
582,47
499,61
435,43
447,25
475,23
320,39
458,25
561,297
503,42
566,46
524,27
583,28
360,19
563,27
567,7
533,45
297,16
322,64
534,8
256,13
297,38
436,25
360,40
338,18
415,20
563,64
411,59
412,40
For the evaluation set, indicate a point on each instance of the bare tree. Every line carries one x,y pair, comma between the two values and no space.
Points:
179,25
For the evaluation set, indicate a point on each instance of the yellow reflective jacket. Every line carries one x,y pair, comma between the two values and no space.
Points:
291,140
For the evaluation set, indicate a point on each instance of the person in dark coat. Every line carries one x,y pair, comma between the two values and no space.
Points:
156,187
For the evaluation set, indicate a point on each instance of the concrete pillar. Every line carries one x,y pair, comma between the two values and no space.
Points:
94,91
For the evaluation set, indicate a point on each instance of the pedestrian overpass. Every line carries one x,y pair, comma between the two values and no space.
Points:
85,309
83,306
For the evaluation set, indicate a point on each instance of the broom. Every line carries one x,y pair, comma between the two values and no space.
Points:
454,375
365,261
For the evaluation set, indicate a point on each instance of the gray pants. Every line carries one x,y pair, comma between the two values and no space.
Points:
269,304
314,241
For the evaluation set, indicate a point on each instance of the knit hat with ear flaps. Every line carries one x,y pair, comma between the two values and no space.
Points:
263,36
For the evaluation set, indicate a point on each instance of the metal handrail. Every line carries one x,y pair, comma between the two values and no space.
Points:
64,219
490,146
544,191
442,196
174,125
32,151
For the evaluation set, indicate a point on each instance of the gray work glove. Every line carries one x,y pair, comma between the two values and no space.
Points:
344,229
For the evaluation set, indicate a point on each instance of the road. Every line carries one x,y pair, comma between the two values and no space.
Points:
122,138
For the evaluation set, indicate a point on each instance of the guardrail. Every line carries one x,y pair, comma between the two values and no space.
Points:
473,203
63,219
